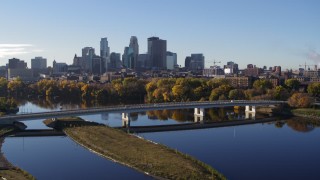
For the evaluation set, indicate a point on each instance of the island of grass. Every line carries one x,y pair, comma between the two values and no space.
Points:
307,112
154,159
8,171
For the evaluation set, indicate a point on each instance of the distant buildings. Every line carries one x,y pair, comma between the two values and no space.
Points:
171,60
195,62
157,51
15,63
104,54
59,68
87,56
252,70
38,63
115,62
128,58
134,46
18,68
231,68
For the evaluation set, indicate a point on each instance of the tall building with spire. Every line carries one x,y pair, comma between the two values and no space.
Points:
104,54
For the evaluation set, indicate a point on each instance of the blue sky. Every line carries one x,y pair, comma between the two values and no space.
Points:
273,32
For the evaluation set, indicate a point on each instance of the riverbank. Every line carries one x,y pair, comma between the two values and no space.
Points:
7,170
154,159
306,113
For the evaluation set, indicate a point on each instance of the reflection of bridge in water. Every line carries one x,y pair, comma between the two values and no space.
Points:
199,108
146,129
199,113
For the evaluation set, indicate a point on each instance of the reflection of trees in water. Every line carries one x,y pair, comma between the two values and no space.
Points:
133,116
180,115
222,114
303,125
184,115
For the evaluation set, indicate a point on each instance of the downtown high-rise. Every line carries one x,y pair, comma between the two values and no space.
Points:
157,52
104,54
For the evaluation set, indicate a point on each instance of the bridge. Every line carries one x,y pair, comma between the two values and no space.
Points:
148,129
198,106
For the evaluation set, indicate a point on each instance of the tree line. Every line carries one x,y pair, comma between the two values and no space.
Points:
163,90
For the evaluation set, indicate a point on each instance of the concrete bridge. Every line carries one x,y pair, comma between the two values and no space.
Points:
199,109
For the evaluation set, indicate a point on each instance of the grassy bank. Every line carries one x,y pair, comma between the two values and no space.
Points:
154,159
16,174
10,172
307,112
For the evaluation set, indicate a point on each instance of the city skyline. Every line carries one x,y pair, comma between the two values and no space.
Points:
247,32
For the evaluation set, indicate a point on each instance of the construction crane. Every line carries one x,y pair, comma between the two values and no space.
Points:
214,62
305,66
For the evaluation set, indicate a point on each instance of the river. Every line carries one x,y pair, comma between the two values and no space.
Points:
286,150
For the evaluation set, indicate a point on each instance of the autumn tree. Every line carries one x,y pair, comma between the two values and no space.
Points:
300,100
16,87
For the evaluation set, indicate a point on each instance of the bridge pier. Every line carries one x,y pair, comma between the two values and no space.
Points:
125,120
251,112
198,114
253,109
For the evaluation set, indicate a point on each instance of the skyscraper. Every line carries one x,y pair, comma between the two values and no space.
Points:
87,56
135,47
38,63
128,58
171,60
197,62
157,51
104,54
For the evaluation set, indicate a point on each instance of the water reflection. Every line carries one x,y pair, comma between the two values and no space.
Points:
300,124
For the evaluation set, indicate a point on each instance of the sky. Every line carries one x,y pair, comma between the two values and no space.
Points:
264,33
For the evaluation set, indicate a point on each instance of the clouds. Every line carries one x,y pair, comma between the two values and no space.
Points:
314,55
9,50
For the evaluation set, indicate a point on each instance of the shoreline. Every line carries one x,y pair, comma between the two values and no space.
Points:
152,159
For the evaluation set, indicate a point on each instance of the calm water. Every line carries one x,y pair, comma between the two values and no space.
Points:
60,158
259,151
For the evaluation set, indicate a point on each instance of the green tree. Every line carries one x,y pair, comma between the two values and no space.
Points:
314,89
236,94
262,84
279,93
3,86
292,84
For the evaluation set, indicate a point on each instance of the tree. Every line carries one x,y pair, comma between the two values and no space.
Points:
300,100
236,94
262,84
3,86
16,86
278,93
221,93
292,84
314,89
